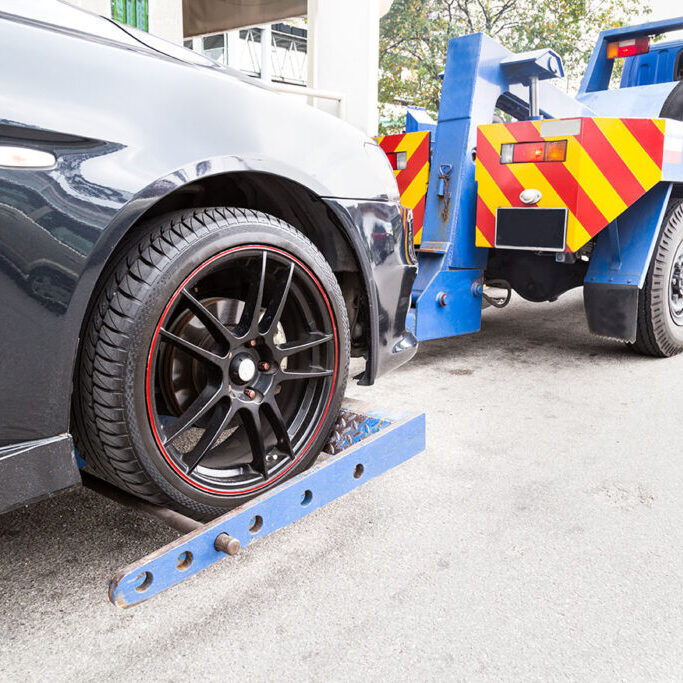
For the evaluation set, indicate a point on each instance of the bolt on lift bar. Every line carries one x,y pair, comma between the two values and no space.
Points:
365,444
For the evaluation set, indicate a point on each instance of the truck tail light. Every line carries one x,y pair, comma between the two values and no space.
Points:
556,150
628,48
398,160
532,152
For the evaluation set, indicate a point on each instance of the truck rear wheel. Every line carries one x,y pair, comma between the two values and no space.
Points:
660,302
214,363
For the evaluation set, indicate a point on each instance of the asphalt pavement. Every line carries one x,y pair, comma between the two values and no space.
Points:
539,537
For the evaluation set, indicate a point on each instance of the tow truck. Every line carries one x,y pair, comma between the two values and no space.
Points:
559,192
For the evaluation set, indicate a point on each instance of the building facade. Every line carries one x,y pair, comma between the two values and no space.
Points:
243,49
327,56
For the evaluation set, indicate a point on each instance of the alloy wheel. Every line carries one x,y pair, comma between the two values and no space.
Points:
241,370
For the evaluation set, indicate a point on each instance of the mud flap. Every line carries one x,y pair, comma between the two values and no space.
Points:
611,310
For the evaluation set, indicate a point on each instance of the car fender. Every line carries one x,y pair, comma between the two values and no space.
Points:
131,212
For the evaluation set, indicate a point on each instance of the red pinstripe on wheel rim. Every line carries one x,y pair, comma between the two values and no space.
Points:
153,347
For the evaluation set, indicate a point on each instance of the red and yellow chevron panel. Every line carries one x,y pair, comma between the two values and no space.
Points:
610,163
413,179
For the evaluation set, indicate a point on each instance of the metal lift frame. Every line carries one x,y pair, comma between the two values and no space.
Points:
365,444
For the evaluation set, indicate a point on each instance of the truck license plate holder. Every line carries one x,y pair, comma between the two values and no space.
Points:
531,228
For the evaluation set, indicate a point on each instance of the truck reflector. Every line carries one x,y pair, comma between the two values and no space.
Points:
408,154
628,48
673,150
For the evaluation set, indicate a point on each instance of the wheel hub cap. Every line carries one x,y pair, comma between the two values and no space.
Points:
242,369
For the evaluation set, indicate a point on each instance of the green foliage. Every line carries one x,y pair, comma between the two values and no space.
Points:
414,37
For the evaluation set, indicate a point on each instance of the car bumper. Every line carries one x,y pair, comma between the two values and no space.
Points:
33,470
381,233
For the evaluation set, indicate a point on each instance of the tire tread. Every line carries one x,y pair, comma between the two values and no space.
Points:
652,337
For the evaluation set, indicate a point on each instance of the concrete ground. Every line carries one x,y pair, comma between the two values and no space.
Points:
539,537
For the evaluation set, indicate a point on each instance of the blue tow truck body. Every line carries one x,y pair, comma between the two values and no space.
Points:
483,79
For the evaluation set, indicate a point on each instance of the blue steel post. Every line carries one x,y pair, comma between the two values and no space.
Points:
445,304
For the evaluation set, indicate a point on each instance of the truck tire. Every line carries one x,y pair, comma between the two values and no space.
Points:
673,105
660,301
214,362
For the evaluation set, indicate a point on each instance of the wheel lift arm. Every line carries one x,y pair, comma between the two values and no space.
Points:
365,444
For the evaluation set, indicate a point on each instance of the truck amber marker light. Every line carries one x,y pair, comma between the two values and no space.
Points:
525,152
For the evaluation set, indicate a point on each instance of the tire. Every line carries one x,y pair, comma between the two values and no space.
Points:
660,301
673,105
214,363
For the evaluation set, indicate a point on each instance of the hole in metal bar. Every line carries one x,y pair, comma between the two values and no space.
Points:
306,497
184,561
143,582
255,524
358,471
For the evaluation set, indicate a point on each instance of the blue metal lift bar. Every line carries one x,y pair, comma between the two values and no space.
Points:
396,438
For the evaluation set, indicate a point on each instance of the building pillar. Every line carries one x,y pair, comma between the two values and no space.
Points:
166,19
232,43
343,56
266,53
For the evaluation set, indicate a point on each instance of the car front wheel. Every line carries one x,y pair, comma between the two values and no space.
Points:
214,362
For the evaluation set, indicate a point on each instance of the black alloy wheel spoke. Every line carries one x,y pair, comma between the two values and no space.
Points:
208,319
273,313
197,352
277,422
205,402
218,423
249,322
313,373
290,348
254,428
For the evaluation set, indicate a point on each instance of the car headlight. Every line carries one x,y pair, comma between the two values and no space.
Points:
384,170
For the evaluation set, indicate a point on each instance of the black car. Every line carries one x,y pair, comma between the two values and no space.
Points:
187,261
